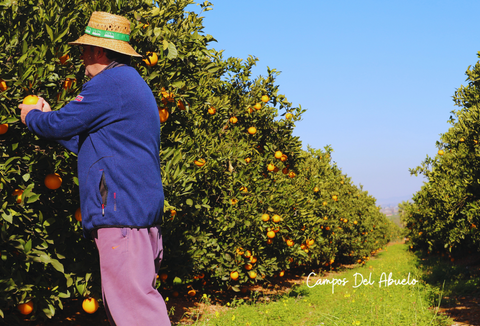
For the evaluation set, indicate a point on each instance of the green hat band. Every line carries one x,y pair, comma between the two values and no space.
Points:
107,34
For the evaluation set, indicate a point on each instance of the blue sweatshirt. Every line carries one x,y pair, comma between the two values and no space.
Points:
114,127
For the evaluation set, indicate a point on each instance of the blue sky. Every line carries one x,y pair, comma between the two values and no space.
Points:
376,77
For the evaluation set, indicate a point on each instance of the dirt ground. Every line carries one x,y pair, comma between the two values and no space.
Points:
464,310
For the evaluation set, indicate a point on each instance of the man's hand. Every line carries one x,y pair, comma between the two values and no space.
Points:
41,105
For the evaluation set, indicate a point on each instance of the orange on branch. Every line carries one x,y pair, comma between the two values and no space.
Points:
265,98
257,106
151,59
252,130
78,215
25,308
53,181
90,305
3,128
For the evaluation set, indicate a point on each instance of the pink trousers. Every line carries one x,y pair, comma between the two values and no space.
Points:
129,262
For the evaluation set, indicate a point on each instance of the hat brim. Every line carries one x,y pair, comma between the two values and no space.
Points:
114,45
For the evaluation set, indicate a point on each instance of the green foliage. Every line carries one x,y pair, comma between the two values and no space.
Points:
210,210
444,214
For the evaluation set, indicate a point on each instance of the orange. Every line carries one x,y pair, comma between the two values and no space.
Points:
3,128
281,274
265,217
290,242
151,59
163,277
25,308
270,241
173,212
288,116
276,218
278,155
354,222
265,98
200,162
283,158
315,189
192,292
441,152
303,246
64,58
291,174
247,254
180,105
3,85
18,193
234,276
257,106
250,110
253,259
212,110
462,139
248,159
175,294
248,266
252,274
164,114
233,120
90,305
67,84
345,221
234,201
53,181
310,242
285,171
271,234
30,100
78,215
244,189
270,167
334,197
252,130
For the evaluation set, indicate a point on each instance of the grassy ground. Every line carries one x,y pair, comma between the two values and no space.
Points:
349,301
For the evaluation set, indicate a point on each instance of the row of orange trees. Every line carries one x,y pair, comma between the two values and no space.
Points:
443,216
244,202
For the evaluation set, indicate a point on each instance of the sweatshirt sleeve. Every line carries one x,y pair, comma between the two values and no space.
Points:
90,111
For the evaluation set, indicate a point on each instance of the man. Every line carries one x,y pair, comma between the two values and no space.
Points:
114,127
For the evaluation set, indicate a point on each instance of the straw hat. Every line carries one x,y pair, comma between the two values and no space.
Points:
108,31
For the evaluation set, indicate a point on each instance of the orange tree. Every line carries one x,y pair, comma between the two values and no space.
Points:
222,135
443,216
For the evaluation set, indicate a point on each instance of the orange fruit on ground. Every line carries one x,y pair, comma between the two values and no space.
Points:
315,189
233,120
53,181
90,305
212,110
288,116
252,130
265,98
18,193
283,158
247,254
290,242
192,293
234,276
3,128
3,85
257,106
78,215
278,155
265,217
164,114
270,167
64,58
276,218
200,162
441,152
252,274
271,234
30,100
248,266
25,308
248,159
151,59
